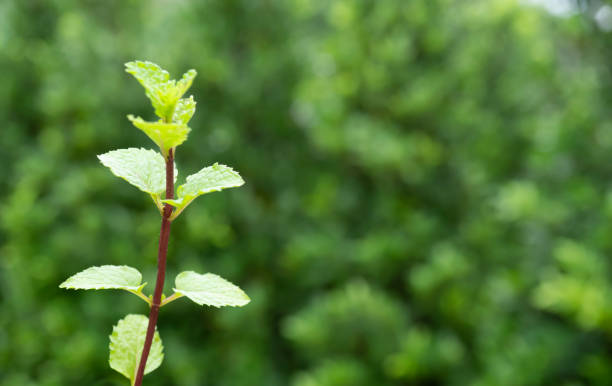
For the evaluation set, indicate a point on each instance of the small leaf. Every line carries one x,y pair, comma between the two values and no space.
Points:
156,82
150,75
185,108
209,289
163,92
105,277
145,169
210,179
165,135
185,82
126,343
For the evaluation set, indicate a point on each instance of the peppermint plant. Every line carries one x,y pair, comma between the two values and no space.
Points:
135,345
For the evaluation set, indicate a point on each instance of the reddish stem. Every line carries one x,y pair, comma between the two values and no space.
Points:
161,268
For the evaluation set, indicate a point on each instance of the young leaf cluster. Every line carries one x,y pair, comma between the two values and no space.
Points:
147,170
166,95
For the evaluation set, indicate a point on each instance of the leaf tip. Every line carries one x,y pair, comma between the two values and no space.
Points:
129,66
246,300
189,75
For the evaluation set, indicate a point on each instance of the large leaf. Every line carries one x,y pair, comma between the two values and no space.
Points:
163,92
165,135
209,289
145,169
126,343
210,179
105,277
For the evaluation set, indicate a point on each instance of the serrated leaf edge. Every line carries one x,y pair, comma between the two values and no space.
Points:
96,287
246,299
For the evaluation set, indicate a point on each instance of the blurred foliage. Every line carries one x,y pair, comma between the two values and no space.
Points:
427,200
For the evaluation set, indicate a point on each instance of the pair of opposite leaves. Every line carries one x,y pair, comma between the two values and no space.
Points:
127,338
146,169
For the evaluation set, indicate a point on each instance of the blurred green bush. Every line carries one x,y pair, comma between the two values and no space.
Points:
427,200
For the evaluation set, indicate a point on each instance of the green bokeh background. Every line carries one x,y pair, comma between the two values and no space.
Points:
428,196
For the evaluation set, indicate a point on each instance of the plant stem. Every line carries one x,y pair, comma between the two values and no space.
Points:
161,268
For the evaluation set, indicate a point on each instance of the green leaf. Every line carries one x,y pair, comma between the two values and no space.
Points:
105,277
151,76
210,179
185,108
163,92
145,169
156,82
126,343
185,83
209,289
165,135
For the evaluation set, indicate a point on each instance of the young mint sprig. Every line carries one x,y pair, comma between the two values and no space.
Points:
136,348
